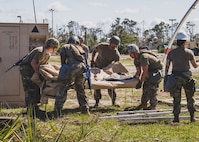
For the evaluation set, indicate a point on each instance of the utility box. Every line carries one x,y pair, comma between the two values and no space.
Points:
16,40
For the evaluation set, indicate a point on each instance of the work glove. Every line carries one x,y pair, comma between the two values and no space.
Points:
138,85
92,64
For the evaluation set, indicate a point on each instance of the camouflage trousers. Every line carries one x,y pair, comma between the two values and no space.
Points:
149,94
61,95
176,94
31,90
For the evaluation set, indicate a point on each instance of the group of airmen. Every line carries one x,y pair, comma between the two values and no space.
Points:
148,73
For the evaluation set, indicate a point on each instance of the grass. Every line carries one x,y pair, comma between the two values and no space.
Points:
77,127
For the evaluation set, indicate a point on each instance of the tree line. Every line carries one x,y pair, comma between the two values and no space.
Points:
128,30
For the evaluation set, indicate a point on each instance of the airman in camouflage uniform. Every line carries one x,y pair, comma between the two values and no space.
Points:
30,65
73,60
107,54
148,72
180,59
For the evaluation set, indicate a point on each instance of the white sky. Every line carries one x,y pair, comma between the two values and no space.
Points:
92,12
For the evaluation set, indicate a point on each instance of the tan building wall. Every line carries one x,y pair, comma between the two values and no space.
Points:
16,40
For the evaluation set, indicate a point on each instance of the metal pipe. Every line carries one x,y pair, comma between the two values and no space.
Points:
178,28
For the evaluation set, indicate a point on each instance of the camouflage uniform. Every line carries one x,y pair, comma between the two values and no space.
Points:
189,92
105,57
30,65
74,60
32,91
150,87
180,58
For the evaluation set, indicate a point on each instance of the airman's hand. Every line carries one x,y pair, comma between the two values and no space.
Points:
139,85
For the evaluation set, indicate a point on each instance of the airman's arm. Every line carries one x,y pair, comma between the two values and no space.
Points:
194,63
144,73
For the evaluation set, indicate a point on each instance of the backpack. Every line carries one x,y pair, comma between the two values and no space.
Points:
75,64
151,53
68,71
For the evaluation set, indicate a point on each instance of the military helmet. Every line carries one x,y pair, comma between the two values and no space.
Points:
181,36
133,48
73,40
52,42
115,39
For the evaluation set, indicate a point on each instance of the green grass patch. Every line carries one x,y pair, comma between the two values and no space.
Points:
80,127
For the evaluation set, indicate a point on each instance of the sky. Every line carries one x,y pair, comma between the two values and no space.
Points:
91,13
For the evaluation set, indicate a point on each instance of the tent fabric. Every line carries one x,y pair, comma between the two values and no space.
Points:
99,77
115,72
114,75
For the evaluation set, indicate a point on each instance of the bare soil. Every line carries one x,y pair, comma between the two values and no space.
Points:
126,97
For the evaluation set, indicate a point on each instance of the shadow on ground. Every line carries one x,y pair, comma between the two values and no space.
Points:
44,116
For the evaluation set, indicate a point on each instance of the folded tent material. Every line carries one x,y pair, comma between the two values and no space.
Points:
114,75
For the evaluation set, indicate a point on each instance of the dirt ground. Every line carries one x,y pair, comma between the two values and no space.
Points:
126,97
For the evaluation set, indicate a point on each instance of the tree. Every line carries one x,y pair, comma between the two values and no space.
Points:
62,34
190,30
127,30
74,28
158,30
129,26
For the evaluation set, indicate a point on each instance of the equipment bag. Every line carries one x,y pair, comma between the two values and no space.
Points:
64,72
68,71
170,83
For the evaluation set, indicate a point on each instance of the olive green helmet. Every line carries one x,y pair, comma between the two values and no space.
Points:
73,40
52,42
115,39
133,48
